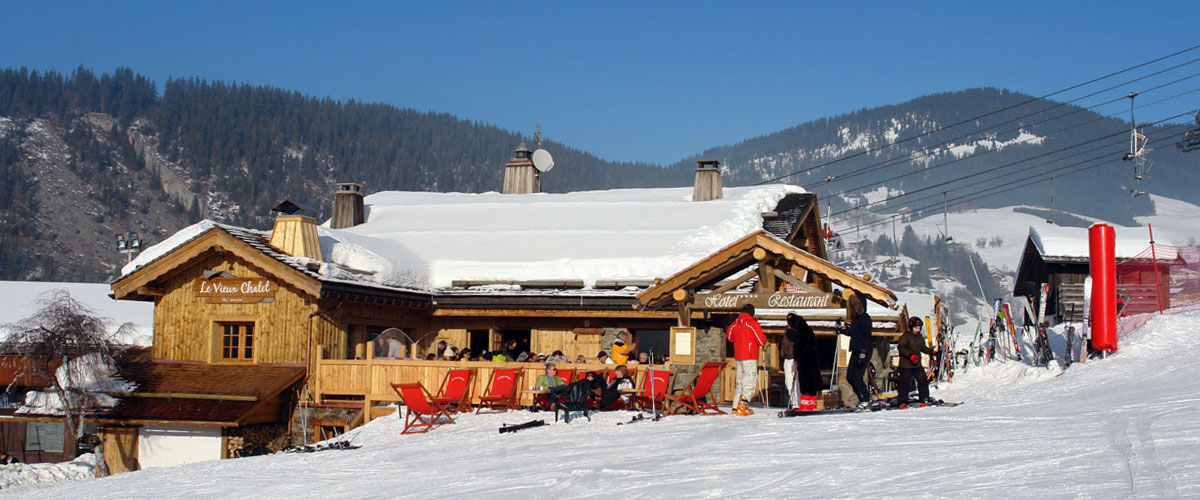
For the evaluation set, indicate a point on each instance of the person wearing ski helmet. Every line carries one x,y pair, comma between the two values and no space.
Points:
859,331
910,345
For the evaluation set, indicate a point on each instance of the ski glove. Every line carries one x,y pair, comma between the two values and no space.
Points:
915,359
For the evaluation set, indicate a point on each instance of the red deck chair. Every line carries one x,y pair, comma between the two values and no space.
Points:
423,412
695,399
580,376
455,393
542,401
656,393
500,394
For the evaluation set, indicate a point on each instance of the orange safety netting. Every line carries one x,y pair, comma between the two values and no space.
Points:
1177,286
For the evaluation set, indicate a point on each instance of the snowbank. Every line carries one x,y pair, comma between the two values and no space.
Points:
24,478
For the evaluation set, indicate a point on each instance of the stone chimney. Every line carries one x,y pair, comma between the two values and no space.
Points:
520,177
295,231
708,182
347,206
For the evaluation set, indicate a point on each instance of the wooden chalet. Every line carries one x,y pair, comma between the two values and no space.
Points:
299,306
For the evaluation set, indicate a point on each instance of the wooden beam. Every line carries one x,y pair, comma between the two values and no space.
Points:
796,282
551,313
730,285
183,395
151,291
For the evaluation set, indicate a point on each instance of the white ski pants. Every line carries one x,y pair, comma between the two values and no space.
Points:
789,381
747,380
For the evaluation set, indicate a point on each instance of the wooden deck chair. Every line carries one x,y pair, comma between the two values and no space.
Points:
655,395
695,397
423,412
455,393
501,392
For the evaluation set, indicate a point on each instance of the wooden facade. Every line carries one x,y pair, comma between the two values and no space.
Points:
298,317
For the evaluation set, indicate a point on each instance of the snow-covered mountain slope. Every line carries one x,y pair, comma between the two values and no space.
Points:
1175,223
20,300
1121,427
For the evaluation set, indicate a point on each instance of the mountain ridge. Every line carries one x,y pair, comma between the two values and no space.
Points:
107,154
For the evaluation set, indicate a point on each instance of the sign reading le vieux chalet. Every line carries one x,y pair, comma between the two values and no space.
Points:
235,290
777,300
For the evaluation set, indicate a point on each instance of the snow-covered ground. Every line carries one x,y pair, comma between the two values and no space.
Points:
1115,428
19,300
22,476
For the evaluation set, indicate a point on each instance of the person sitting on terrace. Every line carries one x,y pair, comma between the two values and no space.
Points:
611,397
465,354
450,354
548,380
389,348
603,358
556,357
523,357
540,358
431,357
510,350
580,359
441,348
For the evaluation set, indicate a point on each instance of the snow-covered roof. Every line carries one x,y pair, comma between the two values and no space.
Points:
1072,243
425,241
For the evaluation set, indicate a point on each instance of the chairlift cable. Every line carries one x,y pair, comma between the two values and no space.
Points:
990,113
1007,165
983,193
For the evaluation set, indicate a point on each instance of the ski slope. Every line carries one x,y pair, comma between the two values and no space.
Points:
1122,427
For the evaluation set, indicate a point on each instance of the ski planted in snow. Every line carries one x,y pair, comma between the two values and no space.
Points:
1012,331
1041,345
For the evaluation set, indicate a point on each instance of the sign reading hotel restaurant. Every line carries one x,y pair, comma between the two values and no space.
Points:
777,300
235,290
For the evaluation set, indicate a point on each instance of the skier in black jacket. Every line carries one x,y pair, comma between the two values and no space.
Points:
859,331
910,346
809,373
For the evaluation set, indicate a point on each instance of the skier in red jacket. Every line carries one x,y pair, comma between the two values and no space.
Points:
747,337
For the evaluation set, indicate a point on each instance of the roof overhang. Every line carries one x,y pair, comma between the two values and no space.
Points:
139,284
755,248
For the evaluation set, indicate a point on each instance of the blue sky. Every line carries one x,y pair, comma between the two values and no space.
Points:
639,81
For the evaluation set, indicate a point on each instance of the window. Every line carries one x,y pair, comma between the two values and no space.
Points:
44,436
237,341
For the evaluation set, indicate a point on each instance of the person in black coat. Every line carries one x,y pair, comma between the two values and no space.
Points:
808,373
859,331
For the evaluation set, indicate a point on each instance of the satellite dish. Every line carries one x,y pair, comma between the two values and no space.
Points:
542,160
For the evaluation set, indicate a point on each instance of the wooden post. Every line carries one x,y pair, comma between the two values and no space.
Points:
317,369
683,301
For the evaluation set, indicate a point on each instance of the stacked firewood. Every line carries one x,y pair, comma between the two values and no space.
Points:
253,440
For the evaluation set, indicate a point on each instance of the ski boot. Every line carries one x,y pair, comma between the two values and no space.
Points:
743,409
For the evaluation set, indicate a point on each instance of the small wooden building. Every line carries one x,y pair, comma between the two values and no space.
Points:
1062,260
